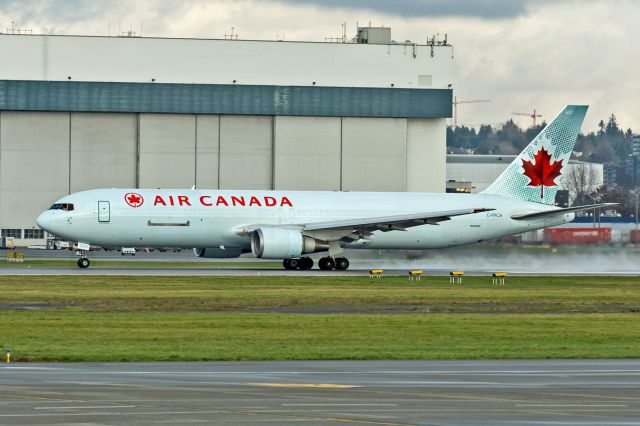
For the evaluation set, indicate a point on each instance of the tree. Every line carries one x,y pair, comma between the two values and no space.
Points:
601,127
581,181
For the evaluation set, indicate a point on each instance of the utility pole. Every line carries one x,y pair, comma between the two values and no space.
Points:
533,115
455,107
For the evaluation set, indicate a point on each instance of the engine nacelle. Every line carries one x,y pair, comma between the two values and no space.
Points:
217,253
277,243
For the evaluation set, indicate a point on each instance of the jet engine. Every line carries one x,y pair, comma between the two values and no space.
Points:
217,252
277,243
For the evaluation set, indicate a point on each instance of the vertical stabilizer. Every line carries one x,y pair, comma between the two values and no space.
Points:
536,173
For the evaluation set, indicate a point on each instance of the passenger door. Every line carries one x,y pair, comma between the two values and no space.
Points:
104,212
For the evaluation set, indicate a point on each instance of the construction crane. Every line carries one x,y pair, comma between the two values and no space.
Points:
533,115
455,107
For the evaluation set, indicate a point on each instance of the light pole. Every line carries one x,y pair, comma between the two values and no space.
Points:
636,194
595,198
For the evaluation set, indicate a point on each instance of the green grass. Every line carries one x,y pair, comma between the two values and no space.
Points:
226,318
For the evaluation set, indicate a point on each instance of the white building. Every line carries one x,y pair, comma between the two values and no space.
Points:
81,112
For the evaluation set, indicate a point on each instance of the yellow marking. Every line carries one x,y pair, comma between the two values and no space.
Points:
305,385
375,273
456,273
499,274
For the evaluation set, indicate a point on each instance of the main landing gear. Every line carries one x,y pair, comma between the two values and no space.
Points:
325,263
329,263
302,263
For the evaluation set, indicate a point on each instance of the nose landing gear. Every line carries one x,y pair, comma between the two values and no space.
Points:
83,262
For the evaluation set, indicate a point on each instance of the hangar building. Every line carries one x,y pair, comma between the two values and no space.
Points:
80,112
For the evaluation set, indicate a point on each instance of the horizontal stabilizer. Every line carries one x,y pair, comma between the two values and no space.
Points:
547,213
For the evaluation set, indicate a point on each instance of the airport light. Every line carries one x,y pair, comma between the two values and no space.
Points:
636,194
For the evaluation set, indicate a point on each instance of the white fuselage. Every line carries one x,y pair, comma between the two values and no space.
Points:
214,218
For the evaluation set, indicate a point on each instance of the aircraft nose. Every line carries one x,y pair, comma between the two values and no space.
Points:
44,220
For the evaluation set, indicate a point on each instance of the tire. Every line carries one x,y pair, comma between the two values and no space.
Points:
294,263
306,263
286,264
342,264
326,264
83,263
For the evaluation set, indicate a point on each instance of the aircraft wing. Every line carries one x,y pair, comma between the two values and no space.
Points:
354,229
388,223
546,213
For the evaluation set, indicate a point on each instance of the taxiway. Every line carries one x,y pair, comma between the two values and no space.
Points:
324,393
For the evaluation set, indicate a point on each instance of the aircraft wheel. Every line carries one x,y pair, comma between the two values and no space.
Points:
287,264
83,263
294,263
342,263
306,263
326,264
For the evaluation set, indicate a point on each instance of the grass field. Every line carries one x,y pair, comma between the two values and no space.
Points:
223,318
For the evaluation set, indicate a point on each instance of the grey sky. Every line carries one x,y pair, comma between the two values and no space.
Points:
490,9
521,54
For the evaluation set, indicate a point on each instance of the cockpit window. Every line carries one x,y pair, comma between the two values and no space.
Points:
62,206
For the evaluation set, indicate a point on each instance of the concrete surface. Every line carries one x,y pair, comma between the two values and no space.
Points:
602,392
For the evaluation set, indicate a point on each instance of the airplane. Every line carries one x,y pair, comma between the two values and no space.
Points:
288,225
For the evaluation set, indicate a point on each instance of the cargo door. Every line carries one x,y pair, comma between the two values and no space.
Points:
104,211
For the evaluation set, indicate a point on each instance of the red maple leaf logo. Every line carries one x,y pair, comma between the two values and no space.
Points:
133,199
542,173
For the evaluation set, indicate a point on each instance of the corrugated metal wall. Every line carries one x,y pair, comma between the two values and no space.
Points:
46,155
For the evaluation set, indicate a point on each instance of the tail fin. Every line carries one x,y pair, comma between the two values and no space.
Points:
536,173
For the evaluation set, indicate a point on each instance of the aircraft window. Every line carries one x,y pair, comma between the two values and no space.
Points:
62,206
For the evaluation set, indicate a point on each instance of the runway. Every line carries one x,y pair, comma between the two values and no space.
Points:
324,393
199,271
474,260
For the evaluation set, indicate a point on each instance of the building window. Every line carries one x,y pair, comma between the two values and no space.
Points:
14,233
33,233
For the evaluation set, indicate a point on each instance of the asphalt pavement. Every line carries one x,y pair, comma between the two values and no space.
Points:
600,392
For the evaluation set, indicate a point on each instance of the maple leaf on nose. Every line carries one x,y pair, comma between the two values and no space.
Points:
542,173
133,199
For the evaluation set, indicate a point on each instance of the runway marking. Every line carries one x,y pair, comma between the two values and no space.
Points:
257,414
305,385
328,404
39,398
571,405
83,407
